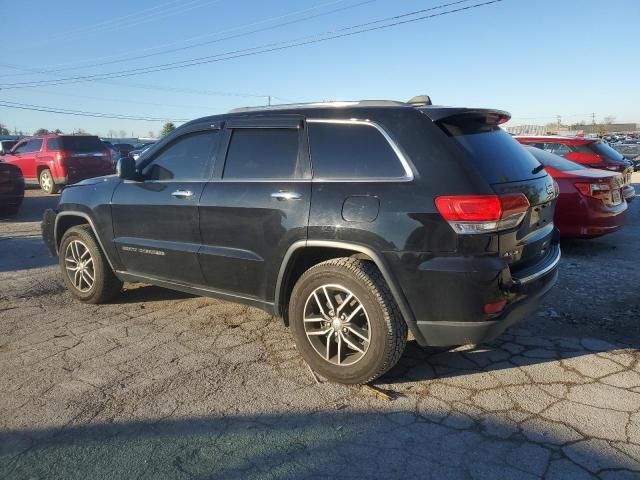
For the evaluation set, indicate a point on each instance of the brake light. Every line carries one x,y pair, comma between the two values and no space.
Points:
468,214
595,190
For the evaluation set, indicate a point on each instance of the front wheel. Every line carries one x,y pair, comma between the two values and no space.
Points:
46,182
345,322
85,269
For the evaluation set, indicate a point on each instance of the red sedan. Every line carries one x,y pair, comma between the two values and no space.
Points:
591,202
589,152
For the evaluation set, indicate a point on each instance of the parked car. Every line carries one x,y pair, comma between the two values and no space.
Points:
53,161
591,203
352,222
11,189
6,146
140,149
115,154
631,152
589,152
123,148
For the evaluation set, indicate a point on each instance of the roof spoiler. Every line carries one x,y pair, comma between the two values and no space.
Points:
420,101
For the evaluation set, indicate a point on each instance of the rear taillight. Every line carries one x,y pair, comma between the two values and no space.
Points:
62,156
468,214
595,190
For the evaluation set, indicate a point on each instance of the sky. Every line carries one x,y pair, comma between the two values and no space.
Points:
534,58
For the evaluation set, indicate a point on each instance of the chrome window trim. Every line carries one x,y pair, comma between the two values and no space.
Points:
408,176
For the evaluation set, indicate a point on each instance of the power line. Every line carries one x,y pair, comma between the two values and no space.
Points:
146,86
122,22
163,52
81,113
259,49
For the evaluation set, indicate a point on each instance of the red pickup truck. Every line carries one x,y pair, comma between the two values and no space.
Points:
53,161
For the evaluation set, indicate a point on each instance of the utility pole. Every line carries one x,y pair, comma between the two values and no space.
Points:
593,122
559,117
269,100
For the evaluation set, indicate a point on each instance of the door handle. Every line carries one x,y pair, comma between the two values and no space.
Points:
282,195
182,194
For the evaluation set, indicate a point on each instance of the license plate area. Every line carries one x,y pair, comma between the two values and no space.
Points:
616,197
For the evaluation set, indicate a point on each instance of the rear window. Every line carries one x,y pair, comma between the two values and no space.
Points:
606,151
82,144
497,156
554,161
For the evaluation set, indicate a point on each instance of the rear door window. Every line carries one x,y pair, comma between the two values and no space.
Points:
496,154
264,153
54,144
351,151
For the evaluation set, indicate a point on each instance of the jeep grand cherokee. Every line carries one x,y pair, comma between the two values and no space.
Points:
353,222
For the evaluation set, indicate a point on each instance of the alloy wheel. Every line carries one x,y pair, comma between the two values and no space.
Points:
79,266
337,325
46,182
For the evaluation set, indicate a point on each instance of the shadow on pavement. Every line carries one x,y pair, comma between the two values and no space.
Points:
148,293
23,253
32,209
344,444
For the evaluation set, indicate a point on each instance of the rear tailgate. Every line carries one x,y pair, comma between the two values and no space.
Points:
509,168
86,154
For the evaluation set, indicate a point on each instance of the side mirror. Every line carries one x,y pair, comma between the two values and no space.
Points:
126,168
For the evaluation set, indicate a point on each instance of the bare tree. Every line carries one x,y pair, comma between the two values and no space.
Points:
609,119
122,133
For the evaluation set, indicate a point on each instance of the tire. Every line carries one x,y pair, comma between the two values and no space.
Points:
386,332
45,179
75,243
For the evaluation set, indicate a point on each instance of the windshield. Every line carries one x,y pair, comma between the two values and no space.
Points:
554,161
497,156
82,144
606,151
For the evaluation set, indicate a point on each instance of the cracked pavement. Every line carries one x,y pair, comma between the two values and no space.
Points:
167,385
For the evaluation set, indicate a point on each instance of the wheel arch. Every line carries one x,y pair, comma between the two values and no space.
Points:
303,254
68,219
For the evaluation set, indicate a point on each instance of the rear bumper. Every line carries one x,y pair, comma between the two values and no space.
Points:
450,312
75,176
461,333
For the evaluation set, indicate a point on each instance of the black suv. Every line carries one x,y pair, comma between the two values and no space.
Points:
353,222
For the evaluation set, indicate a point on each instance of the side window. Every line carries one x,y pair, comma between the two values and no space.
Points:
269,153
557,148
186,158
20,147
33,145
346,151
54,144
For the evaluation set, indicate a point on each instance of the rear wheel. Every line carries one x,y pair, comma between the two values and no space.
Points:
85,269
46,182
345,322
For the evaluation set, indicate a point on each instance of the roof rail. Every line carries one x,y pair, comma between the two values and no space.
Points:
418,101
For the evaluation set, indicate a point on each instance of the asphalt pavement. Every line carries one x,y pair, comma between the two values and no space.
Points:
162,384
